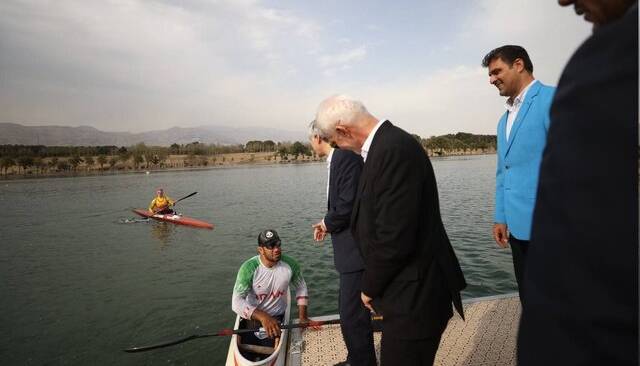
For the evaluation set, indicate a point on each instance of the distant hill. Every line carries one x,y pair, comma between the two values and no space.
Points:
15,134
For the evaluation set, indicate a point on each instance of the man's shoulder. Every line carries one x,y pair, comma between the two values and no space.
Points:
546,90
250,264
289,261
345,156
395,140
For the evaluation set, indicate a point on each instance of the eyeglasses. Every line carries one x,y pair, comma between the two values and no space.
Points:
272,245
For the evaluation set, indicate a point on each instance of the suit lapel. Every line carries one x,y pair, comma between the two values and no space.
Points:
364,177
522,113
502,133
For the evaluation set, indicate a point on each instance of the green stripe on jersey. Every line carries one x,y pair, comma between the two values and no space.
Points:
244,281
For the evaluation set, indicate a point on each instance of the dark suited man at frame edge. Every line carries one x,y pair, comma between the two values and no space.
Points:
582,275
521,136
344,168
411,272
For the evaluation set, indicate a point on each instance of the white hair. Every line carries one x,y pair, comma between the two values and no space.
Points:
338,109
314,130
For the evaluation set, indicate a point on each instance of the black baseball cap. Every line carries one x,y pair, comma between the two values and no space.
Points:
268,238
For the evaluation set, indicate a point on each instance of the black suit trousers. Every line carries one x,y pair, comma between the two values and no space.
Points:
409,352
355,321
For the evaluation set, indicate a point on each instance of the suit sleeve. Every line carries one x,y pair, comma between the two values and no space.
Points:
347,176
397,198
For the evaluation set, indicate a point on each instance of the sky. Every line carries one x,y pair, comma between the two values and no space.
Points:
136,66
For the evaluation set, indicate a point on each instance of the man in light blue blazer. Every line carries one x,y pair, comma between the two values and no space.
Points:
522,133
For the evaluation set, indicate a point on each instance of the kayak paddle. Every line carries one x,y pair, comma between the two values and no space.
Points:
176,201
229,332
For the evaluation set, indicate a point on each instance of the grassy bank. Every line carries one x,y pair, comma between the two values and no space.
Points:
59,167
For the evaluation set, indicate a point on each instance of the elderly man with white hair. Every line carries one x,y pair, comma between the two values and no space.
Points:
411,274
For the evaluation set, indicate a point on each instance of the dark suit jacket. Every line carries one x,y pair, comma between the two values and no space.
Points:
582,271
411,271
345,173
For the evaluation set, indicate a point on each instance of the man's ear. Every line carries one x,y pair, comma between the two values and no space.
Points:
260,250
518,64
343,131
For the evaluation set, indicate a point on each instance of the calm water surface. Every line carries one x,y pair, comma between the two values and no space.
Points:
77,285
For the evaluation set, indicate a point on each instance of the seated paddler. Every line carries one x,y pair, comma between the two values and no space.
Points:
161,204
260,291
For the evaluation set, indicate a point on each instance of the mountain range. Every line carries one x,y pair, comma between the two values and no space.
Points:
16,134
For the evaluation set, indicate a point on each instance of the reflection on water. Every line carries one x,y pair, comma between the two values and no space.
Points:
163,232
78,286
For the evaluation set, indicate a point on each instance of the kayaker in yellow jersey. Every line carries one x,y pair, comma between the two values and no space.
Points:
161,204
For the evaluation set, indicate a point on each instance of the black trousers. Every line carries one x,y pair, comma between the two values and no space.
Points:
355,321
519,250
408,352
251,338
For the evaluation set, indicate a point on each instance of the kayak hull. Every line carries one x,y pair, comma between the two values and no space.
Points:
175,219
277,358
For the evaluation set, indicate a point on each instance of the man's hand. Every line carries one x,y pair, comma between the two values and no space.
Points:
501,235
269,323
319,231
366,301
315,325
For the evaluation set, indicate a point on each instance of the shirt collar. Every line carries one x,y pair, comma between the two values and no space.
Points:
329,155
367,143
519,99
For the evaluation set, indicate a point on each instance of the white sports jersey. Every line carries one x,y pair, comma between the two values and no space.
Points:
264,288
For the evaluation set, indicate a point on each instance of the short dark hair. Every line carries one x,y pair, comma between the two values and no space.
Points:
509,54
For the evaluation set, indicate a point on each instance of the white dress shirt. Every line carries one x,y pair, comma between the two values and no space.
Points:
367,143
514,107
329,170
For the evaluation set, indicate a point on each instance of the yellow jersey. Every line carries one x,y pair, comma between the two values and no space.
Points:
160,203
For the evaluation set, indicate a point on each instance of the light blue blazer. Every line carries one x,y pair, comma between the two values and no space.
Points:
519,160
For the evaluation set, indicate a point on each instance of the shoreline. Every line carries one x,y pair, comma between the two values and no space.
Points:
230,161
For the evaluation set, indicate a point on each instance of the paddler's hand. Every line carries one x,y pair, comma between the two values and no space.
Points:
269,323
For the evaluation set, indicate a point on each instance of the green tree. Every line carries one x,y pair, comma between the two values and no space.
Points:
299,149
75,161
102,160
137,159
25,162
283,152
6,163
63,165
113,161
40,164
53,163
89,161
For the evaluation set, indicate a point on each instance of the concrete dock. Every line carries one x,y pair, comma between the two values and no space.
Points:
487,337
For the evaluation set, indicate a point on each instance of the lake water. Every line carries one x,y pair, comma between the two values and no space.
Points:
77,286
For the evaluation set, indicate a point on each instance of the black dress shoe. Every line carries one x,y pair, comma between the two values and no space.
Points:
343,363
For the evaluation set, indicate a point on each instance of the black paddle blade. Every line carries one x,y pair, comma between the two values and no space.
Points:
162,344
185,197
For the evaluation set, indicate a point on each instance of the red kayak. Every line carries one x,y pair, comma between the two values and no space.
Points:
176,219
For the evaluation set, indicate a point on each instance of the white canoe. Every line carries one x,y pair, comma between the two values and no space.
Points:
272,356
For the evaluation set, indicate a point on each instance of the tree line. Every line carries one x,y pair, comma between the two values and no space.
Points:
40,158
460,141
